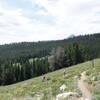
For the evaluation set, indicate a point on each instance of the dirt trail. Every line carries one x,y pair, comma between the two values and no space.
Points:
85,87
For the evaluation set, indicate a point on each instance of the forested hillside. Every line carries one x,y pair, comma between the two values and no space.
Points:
26,50
22,61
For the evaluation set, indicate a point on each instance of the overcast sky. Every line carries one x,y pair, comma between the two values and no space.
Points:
34,20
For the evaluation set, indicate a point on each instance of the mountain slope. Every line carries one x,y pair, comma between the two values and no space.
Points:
26,50
34,88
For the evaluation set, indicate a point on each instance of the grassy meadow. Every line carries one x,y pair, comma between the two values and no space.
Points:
35,89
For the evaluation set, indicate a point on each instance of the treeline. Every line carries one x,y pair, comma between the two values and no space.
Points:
22,61
19,52
15,72
59,57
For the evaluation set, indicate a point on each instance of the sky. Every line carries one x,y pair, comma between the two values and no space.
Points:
40,20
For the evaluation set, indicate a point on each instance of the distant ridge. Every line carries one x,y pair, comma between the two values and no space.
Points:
43,48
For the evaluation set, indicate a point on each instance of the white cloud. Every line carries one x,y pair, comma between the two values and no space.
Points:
69,12
74,16
71,16
14,27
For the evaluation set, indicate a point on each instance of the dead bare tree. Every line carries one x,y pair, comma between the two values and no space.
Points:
56,60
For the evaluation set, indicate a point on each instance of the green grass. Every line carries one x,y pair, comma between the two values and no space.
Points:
28,90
